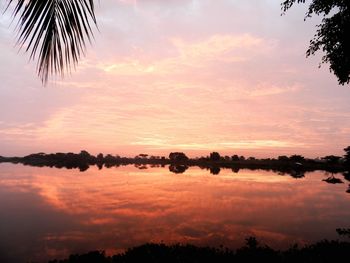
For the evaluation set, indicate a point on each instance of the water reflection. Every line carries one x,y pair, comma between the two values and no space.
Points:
48,213
178,169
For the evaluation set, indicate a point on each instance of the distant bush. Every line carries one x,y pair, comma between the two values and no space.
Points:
324,251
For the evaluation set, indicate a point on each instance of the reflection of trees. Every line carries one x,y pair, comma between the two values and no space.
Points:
296,174
180,162
215,170
346,175
141,166
235,169
83,167
178,169
109,165
333,180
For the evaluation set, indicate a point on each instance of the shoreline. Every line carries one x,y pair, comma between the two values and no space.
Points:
295,165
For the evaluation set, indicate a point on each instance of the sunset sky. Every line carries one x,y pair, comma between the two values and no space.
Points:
185,75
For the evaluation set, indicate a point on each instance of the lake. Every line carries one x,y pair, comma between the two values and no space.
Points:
49,213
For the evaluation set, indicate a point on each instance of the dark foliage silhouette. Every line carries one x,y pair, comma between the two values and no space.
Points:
178,169
343,232
332,35
297,158
333,180
346,175
296,173
179,163
54,31
141,166
235,169
347,156
283,158
215,170
214,156
235,158
332,159
323,251
178,157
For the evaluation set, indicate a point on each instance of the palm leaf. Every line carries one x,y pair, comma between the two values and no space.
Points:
54,32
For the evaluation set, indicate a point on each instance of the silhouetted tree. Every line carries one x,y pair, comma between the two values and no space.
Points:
100,161
109,158
252,243
214,156
227,158
85,154
347,156
54,31
332,159
283,158
178,157
235,158
253,251
332,35
297,158
343,232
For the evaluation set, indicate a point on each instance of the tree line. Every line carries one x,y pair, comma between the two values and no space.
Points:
84,160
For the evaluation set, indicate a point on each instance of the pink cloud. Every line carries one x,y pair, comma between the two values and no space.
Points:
190,75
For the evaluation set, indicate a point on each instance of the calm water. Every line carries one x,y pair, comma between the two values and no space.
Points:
49,213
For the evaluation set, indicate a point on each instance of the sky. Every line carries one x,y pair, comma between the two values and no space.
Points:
179,75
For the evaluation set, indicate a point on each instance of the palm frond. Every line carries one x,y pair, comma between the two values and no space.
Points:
54,32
